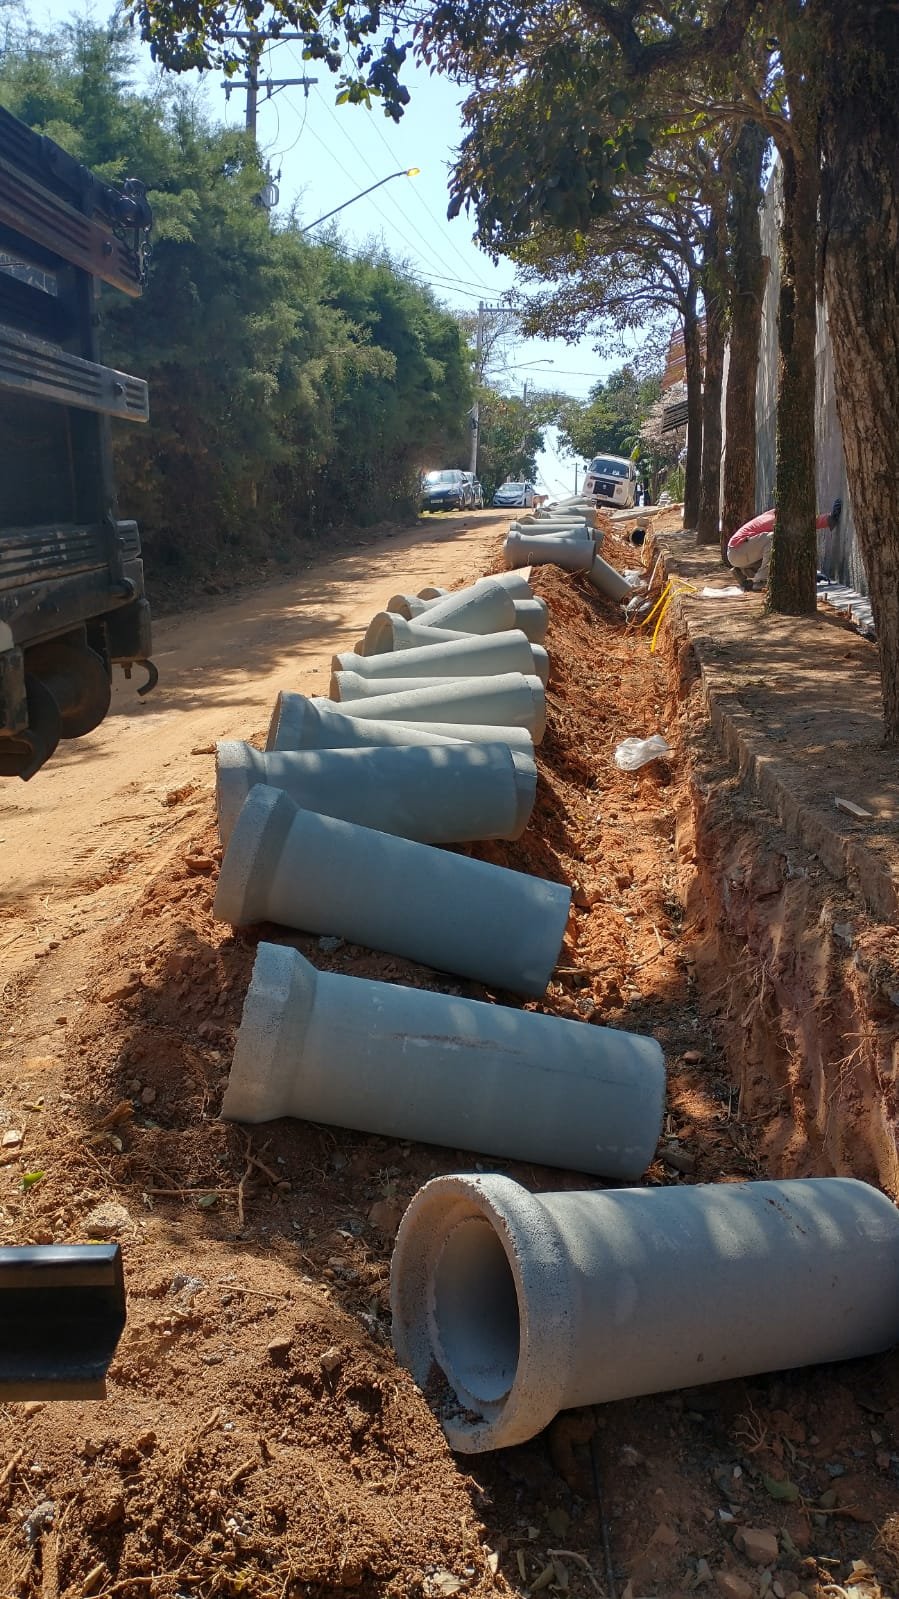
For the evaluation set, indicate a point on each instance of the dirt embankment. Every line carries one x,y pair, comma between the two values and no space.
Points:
787,896
259,1438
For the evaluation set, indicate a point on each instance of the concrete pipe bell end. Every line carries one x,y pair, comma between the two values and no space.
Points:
276,1015
475,1296
525,789
289,719
254,847
235,775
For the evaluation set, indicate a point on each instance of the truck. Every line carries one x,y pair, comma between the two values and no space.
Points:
72,600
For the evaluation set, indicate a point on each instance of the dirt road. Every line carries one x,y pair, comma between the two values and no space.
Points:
90,825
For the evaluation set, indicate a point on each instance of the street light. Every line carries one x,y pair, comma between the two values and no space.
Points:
404,172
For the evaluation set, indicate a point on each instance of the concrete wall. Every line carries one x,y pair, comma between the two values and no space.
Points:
840,556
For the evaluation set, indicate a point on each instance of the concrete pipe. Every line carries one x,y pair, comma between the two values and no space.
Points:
532,618
431,592
437,794
407,605
287,865
475,655
515,583
510,699
609,581
301,724
573,554
487,607
578,530
347,687
530,1304
388,631
412,1063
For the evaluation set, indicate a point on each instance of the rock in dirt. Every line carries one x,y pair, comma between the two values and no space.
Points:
41,1517
148,1096
123,990
279,1349
443,1583
11,1139
107,1220
758,1544
732,1586
331,1361
386,1215
199,863
682,1160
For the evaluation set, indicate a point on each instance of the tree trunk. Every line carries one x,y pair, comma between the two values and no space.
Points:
860,224
693,368
708,525
747,273
791,586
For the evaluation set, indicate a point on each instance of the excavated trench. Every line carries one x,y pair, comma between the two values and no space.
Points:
259,1437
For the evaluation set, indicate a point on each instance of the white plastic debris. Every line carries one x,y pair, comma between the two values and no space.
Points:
633,753
734,592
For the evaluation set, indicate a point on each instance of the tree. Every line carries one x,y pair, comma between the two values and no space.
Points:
774,61
609,422
512,434
779,62
747,282
642,261
856,59
293,385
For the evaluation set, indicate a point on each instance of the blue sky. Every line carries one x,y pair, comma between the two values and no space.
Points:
326,154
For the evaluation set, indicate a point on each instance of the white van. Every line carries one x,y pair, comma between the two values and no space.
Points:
612,480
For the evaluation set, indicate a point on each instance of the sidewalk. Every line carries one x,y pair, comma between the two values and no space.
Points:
795,702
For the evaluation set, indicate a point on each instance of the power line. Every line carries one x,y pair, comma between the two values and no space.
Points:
354,179
286,151
422,201
426,275
391,198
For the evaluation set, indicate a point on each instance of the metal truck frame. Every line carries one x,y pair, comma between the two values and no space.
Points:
72,601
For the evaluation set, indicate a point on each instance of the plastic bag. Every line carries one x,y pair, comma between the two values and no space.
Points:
636,752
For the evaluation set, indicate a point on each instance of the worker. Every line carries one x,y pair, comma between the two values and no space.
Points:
751,545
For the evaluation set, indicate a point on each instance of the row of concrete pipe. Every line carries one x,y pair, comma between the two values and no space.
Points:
565,542
527,1304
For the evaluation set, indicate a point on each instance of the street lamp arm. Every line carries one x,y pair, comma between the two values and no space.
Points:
404,172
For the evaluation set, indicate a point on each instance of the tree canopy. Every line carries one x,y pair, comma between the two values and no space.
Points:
611,419
292,385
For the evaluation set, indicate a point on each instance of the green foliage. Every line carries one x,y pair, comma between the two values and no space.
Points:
512,434
292,386
609,421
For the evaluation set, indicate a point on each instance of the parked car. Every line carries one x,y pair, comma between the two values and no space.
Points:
444,491
612,480
475,492
510,494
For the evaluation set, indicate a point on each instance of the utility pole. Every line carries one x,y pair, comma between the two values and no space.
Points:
575,479
476,409
483,311
250,84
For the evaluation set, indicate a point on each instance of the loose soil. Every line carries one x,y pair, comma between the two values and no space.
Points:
258,1437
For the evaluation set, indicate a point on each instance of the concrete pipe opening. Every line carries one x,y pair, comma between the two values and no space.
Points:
476,1324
